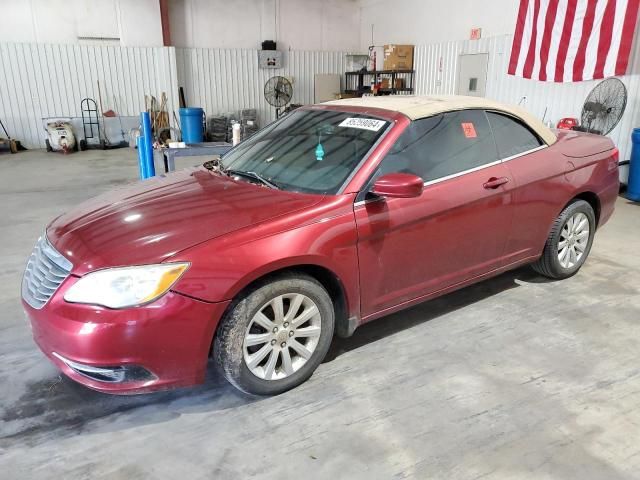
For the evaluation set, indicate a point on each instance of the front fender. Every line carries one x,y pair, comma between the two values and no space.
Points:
221,268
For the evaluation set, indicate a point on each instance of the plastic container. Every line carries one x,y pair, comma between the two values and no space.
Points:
633,185
192,122
236,134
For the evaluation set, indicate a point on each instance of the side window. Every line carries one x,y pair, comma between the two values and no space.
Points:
512,137
443,145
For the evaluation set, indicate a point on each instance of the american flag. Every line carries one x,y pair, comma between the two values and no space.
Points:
573,40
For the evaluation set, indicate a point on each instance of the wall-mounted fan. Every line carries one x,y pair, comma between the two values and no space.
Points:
603,108
278,91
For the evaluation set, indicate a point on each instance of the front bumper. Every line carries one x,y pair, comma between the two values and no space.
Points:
166,341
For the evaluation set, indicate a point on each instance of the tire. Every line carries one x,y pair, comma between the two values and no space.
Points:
83,145
239,324
48,145
550,263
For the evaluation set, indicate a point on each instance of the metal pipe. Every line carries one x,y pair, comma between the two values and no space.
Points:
147,145
633,183
141,160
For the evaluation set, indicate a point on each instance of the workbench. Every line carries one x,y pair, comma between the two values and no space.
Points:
169,155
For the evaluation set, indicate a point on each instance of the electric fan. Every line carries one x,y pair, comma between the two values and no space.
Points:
278,92
603,108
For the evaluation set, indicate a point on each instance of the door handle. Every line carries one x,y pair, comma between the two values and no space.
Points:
495,182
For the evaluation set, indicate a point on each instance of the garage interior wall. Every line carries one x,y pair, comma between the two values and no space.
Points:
436,73
114,22
423,22
294,24
227,80
43,80
50,80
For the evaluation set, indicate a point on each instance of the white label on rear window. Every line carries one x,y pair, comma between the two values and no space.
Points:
363,123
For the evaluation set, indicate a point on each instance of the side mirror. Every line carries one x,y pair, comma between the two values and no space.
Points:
398,185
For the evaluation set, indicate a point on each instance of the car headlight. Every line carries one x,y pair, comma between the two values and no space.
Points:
125,286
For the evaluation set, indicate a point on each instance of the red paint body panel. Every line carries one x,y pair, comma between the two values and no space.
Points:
170,337
415,246
579,144
148,222
387,254
322,236
545,182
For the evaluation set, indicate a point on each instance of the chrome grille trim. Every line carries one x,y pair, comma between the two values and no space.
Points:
46,270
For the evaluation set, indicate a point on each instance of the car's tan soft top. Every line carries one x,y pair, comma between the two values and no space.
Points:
416,107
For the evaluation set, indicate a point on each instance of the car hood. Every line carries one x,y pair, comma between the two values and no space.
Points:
150,221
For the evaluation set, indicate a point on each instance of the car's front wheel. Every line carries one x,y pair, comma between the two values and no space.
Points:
569,241
275,335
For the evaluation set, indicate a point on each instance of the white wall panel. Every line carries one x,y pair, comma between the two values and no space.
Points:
227,80
44,80
436,74
295,24
126,22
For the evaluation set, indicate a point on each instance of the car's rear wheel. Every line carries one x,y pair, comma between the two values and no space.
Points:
569,241
275,336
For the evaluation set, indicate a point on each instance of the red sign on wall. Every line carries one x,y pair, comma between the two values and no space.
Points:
476,33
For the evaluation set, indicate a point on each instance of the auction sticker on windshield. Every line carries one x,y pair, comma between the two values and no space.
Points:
364,123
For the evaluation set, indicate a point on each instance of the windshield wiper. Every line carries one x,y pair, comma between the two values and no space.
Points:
217,165
253,176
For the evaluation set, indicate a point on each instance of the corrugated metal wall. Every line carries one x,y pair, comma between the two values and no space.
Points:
43,80
227,80
40,80
436,73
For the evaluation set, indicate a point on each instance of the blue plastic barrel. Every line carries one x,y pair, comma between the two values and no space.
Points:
191,124
633,185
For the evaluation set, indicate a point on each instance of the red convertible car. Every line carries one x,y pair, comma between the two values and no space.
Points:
328,218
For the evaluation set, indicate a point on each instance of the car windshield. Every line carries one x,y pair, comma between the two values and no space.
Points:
311,151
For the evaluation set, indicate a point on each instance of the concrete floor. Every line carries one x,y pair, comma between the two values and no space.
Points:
516,377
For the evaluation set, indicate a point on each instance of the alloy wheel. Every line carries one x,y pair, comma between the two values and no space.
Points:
282,336
574,238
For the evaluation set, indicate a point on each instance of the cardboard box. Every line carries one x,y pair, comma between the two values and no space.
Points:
398,57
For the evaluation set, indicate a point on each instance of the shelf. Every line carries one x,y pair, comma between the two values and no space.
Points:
379,72
384,90
360,85
403,89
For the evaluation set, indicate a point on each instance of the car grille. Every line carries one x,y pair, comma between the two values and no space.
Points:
46,270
